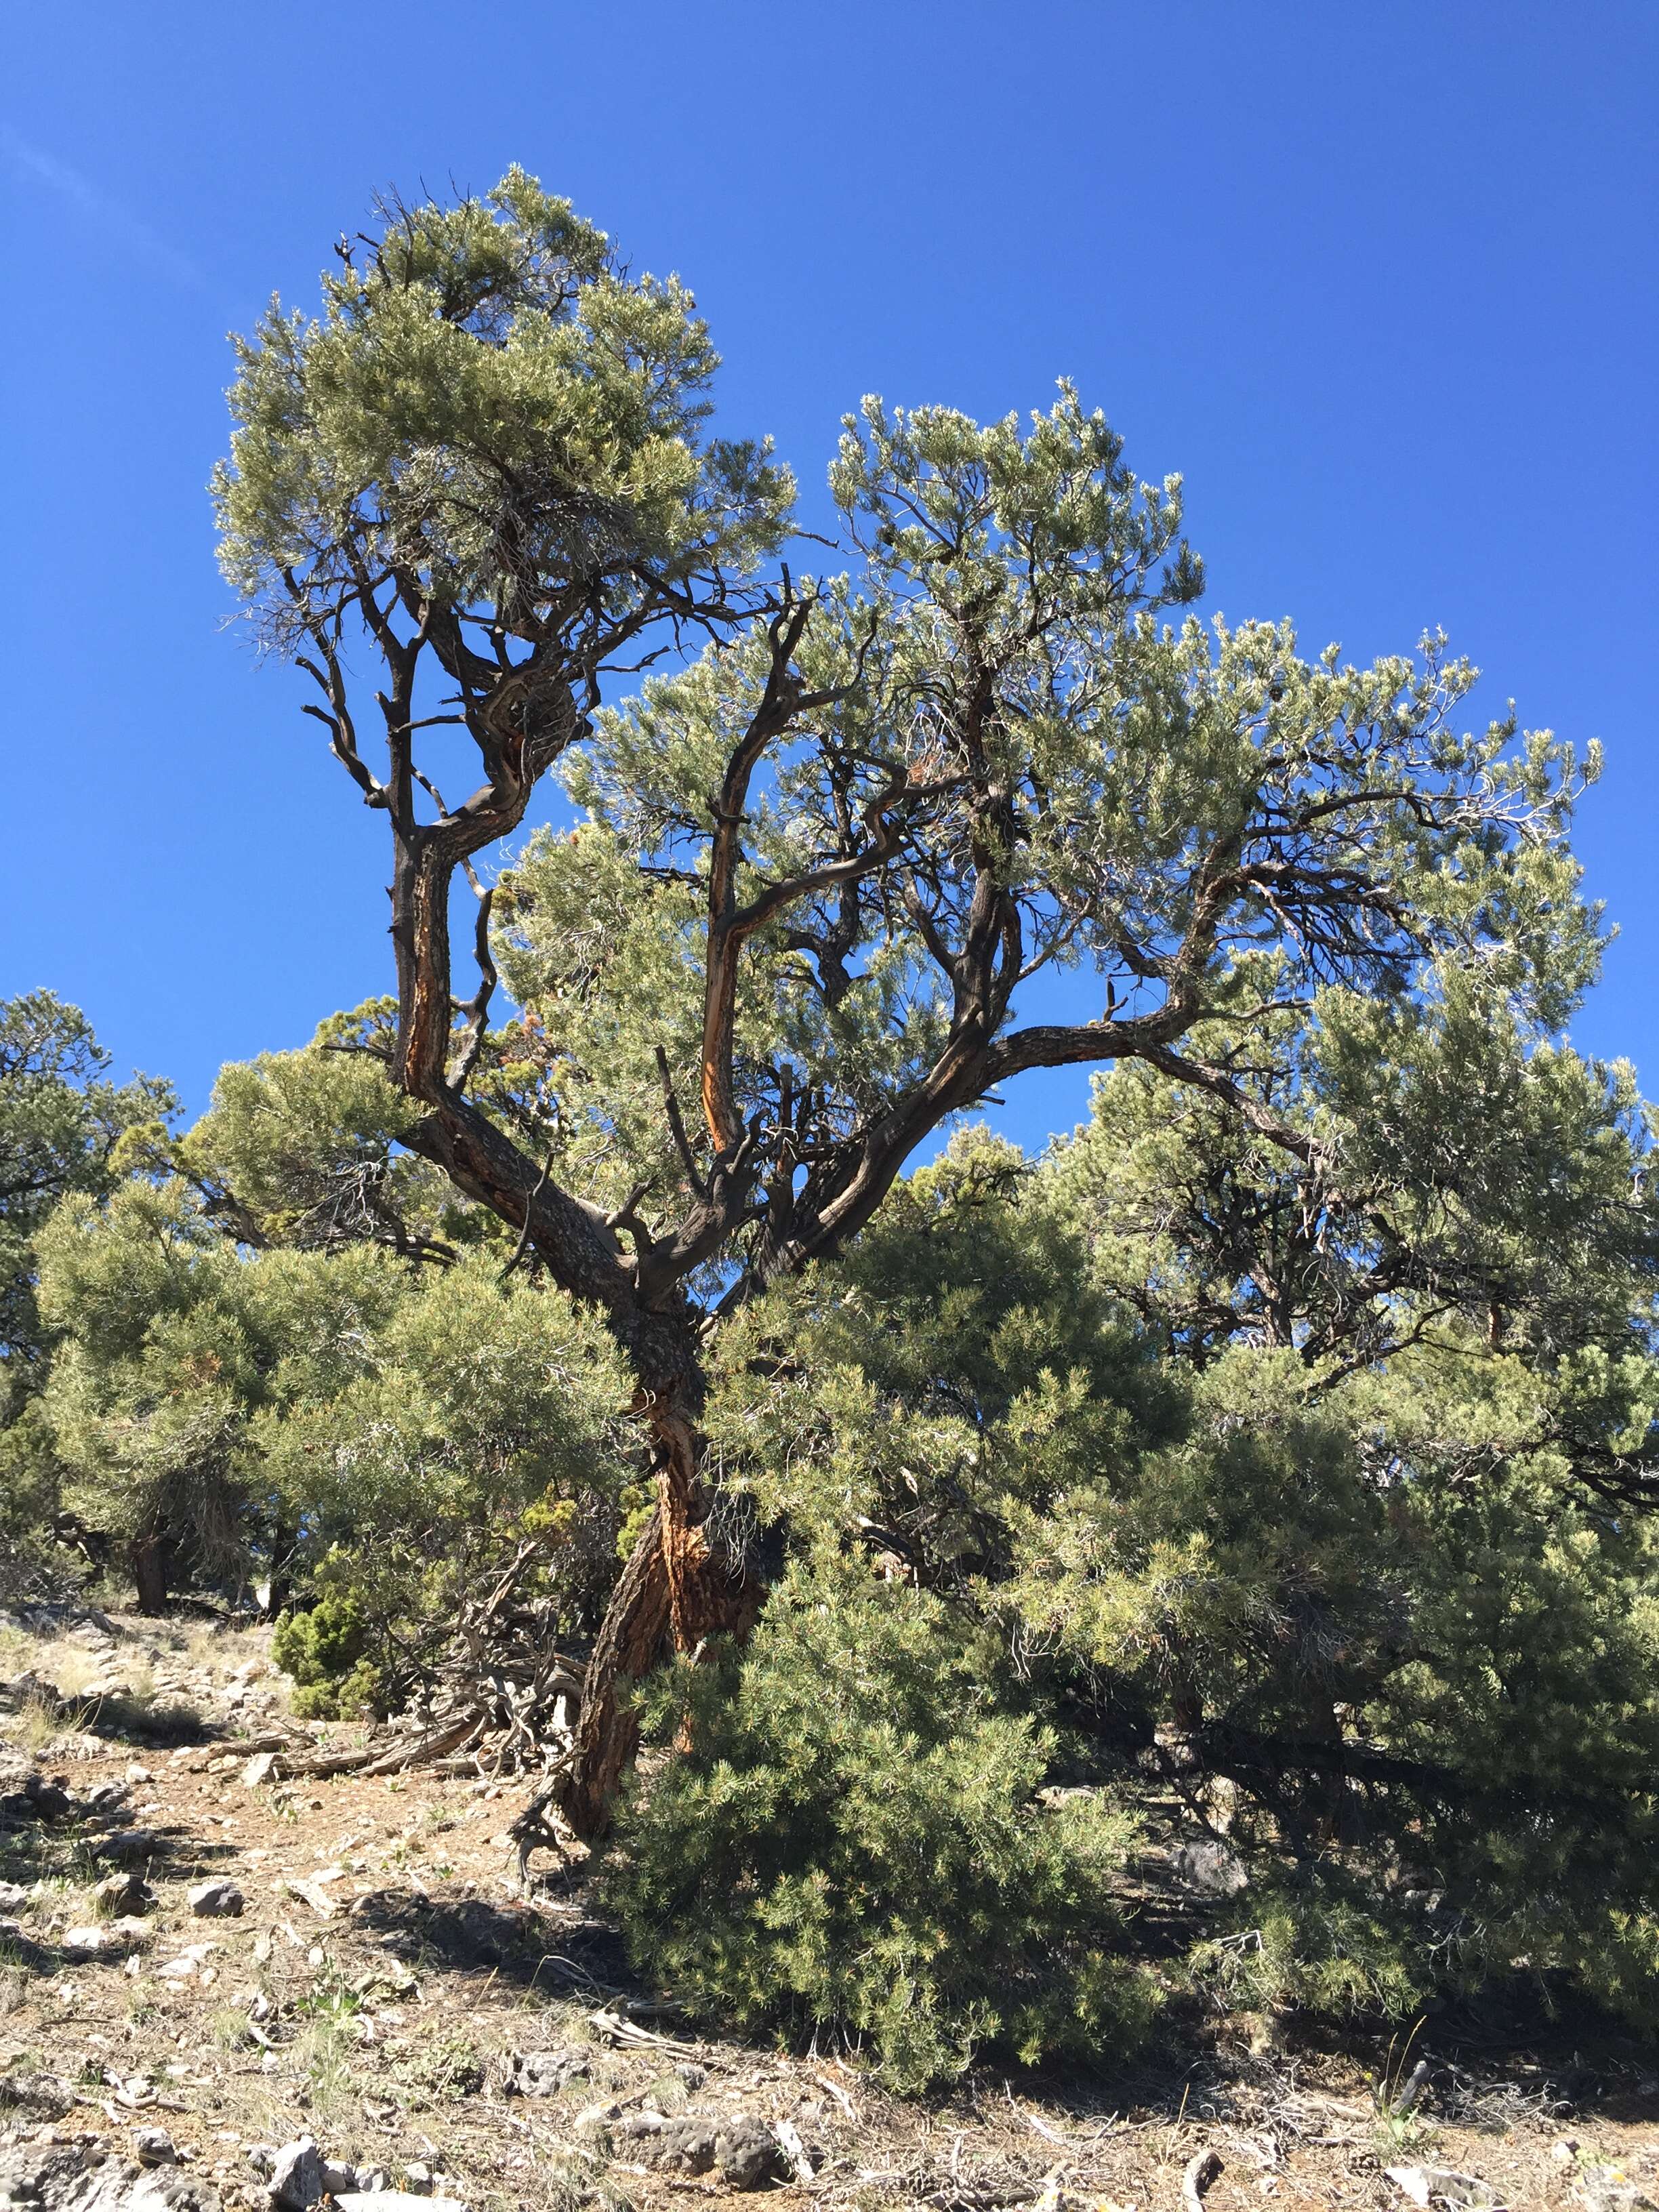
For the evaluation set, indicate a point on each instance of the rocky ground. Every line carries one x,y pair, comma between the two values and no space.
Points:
220,1987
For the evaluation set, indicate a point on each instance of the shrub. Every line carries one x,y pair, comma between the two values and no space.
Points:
1315,1938
323,1651
855,1842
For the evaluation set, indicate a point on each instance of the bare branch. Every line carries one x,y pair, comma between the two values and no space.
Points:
476,1009
676,1127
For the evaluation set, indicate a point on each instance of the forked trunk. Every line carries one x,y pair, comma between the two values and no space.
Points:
675,1589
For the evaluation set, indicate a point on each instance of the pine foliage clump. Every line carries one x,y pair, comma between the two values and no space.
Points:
855,1842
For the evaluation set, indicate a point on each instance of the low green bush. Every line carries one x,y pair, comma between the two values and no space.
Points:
323,1651
854,1841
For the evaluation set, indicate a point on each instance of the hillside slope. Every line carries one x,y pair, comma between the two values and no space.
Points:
202,1963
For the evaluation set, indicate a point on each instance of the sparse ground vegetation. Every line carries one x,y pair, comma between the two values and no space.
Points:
390,2026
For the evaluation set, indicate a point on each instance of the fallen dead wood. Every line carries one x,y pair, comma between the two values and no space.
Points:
321,1763
431,1747
538,1828
378,1756
499,1697
312,1893
1201,2173
790,2143
277,1739
627,2033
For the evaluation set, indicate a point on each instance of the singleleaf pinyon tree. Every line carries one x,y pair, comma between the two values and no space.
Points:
832,838
61,1122
61,1119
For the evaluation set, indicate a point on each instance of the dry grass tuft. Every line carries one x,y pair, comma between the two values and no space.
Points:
14,1982
38,1725
71,1669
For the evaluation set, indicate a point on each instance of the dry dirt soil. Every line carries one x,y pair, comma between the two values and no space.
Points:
388,1988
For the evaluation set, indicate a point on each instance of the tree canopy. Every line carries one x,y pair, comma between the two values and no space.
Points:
61,1119
843,821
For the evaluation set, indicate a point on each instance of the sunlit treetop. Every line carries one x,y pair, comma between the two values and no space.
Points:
492,417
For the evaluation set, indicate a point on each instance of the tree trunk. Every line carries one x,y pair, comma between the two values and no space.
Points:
149,1572
677,1588
278,1586
629,1640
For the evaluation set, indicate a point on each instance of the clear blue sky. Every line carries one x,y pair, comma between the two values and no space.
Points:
1380,280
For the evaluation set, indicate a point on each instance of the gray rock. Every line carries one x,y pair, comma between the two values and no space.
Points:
126,1892
393,2200
164,2188
216,1900
297,2175
35,2097
678,2146
29,1797
13,1897
423,2182
1461,2193
154,2147
541,2073
1603,2188
188,1963
129,1847
597,2120
745,2152
1209,1866
340,2179
80,2177
26,1952
39,2173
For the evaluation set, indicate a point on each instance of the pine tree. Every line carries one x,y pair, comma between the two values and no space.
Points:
822,855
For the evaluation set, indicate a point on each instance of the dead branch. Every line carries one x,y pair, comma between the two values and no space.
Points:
1200,2173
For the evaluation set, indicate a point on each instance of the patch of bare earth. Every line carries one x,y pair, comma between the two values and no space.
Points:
387,1988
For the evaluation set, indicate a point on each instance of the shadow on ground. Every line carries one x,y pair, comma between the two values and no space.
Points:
514,1943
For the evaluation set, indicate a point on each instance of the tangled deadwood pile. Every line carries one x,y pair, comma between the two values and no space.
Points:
500,1699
